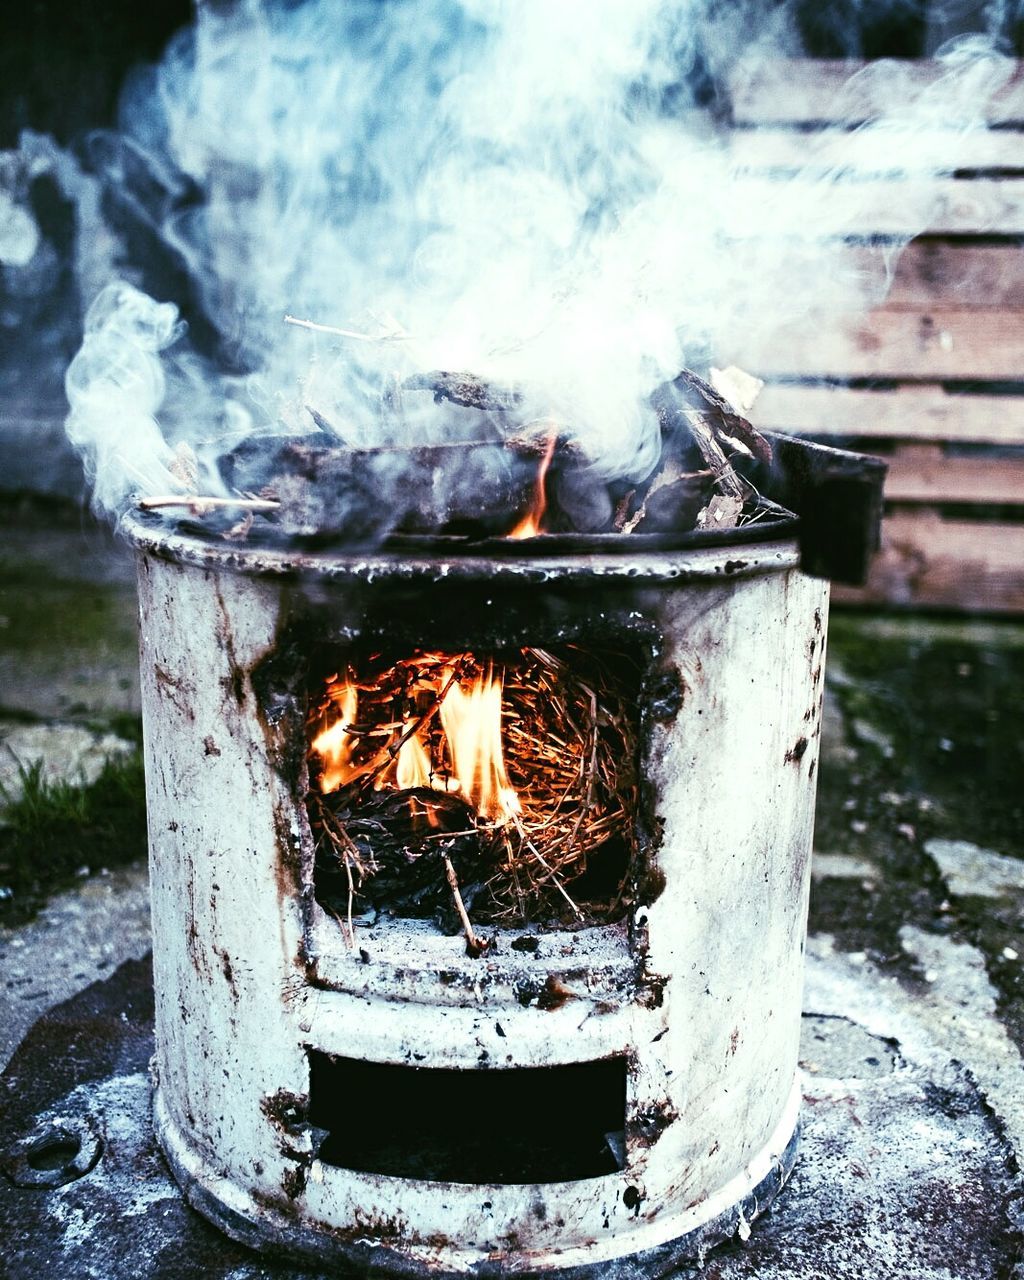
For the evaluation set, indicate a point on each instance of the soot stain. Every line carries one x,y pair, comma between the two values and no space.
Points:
796,753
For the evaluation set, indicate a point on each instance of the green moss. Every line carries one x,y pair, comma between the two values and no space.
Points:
53,830
948,697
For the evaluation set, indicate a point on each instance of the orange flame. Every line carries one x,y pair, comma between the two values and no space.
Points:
533,522
334,744
470,718
412,768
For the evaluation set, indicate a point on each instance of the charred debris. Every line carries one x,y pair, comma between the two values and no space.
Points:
496,476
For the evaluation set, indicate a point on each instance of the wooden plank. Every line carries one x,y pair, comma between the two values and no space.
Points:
922,475
883,206
798,90
911,412
865,152
965,275
892,342
926,561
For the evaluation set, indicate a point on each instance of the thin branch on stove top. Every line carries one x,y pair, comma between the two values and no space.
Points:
397,335
199,506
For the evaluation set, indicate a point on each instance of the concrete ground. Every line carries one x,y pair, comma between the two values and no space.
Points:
913,1129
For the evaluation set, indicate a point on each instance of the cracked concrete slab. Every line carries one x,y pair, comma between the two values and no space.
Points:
843,866
959,1004
970,871
79,937
69,753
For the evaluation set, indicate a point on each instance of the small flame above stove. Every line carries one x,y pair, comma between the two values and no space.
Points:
533,522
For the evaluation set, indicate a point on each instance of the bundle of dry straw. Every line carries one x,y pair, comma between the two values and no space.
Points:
569,748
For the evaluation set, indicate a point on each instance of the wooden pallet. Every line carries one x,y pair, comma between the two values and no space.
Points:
933,380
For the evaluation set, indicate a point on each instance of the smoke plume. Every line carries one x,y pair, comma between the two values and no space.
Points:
542,193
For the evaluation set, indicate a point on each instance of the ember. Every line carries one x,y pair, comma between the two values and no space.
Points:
521,776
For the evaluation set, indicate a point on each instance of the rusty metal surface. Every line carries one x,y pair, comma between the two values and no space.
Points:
838,497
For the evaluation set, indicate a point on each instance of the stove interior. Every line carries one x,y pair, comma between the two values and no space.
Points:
493,786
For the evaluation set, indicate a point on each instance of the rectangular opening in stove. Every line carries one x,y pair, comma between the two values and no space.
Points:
496,786
517,1125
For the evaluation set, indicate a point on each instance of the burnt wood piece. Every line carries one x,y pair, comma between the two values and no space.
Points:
476,488
464,389
698,427
672,506
251,464
578,499
472,487
838,496
687,391
702,430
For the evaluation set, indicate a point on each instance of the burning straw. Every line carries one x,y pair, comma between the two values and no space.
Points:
411,813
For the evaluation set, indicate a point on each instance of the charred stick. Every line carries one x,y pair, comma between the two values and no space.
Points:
475,946
536,445
464,389
694,393
326,426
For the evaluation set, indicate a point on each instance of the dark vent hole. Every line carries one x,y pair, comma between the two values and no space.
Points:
55,1151
500,1126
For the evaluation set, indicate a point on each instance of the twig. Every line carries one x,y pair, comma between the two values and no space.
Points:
347,333
551,872
201,506
475,945
351,896
348,854
326,426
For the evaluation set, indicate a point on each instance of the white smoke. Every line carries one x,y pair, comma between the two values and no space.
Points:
518,188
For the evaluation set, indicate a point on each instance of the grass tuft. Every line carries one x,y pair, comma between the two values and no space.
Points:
55,832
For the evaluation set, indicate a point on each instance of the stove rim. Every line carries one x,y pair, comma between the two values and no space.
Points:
629,568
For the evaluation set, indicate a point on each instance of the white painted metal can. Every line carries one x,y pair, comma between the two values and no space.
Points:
697,994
